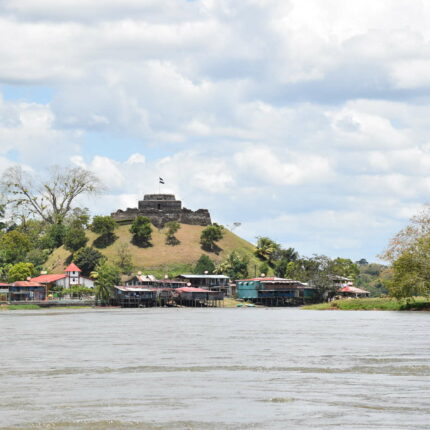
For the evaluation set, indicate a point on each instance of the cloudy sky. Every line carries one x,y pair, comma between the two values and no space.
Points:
305,120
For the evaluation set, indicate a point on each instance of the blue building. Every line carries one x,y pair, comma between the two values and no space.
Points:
274,291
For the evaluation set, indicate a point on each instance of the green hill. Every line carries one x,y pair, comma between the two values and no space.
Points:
161,258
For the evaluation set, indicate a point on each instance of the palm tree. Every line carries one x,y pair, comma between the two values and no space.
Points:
266,248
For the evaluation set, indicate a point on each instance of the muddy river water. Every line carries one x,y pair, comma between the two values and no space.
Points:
244,368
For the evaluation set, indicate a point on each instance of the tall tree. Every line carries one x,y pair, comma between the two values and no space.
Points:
412,271
20,272
172,227
124,259
105,227
87,259
75,239
108,276
210,235
142,231
51,198
204,264
14,246
266,249
234,266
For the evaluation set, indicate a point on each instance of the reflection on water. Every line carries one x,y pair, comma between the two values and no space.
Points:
214,369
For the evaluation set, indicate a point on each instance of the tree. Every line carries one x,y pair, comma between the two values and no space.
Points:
87,259
266,249
211,234
20,272
80,291
124,258
75,239
412,271
204,264
105,227
234,266
108,276
142,231
14,246
344,267
172,227
281,260
419,226
54,236
52,198
320,275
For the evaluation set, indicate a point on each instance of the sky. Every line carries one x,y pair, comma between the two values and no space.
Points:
304,120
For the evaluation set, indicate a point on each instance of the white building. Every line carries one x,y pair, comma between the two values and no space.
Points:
71,276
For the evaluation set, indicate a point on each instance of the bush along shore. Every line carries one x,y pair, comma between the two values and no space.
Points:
373,304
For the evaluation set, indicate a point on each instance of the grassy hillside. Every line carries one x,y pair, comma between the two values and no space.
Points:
162,258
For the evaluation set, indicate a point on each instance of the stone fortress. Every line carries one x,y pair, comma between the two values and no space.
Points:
162,208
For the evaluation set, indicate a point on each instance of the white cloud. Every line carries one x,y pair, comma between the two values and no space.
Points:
301,117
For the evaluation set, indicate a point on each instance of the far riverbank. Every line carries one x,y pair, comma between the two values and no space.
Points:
373,304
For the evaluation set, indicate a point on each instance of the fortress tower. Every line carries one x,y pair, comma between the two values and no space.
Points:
161,208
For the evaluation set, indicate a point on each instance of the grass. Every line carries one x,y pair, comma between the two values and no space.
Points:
161,258
21,307
371,304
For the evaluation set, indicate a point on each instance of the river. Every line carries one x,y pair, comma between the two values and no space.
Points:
244,368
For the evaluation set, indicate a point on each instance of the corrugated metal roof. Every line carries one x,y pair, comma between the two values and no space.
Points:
191,290
48,278
192,276
134,288
354,290
27,284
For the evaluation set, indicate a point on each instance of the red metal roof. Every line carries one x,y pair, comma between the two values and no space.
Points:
2,284
46,279
27,284
73,268
191,290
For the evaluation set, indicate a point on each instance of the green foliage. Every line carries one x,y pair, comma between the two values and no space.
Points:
204,264
266,249
263,268
38,257
78,217
108,277
20,272
344,267
281,260
87,259
412,271
105,227
54,236
79,291
14,246
124,259
75,239
234,266
370,304
22,307
373,278
210,235
142,231
172,227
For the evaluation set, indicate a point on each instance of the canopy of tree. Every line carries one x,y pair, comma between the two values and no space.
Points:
50,198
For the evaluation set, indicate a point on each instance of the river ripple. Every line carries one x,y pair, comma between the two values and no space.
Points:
247,368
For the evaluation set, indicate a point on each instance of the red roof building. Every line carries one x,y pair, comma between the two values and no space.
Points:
71,276
73,268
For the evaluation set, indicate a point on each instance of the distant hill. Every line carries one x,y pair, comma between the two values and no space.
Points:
161,258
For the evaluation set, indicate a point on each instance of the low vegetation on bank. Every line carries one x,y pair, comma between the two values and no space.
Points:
373,304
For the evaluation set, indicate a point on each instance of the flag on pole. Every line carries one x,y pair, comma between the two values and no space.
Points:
161,181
